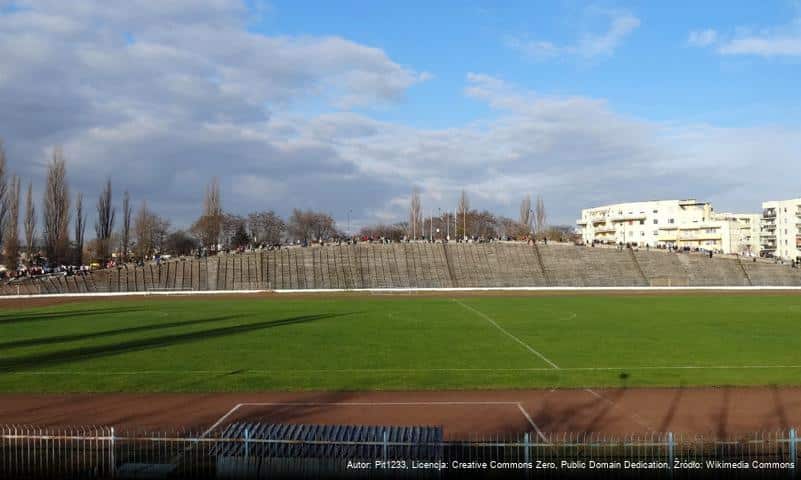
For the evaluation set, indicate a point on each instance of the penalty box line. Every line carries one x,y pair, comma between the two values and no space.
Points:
506,332
238,406
553,365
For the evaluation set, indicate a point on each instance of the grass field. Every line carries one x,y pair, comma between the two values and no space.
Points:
400,342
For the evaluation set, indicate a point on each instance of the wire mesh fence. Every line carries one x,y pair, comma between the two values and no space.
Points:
102,452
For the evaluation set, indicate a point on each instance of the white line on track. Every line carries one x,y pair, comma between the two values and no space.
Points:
506,332
221,420
376,404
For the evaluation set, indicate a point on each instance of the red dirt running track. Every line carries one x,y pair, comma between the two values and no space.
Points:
720,412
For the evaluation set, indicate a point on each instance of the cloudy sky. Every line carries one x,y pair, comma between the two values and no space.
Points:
346,106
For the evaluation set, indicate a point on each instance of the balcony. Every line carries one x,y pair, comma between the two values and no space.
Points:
581,222
629,217
604,230
769,213
700,236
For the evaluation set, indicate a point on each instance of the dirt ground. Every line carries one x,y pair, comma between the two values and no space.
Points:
717,412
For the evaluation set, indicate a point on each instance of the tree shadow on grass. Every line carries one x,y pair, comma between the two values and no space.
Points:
50,359
105,333
19,317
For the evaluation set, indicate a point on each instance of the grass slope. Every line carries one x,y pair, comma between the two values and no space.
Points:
358,343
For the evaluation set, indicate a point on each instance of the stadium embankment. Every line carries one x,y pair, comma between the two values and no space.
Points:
423,266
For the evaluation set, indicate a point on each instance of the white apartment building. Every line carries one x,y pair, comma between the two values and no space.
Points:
740,232
781,228
671,223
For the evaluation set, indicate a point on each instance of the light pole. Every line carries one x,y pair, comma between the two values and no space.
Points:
448,227
464,223
439,214
349,212
531,224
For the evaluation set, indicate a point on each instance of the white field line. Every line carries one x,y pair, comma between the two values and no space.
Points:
409,290
404,370
634,416
376,404
506,332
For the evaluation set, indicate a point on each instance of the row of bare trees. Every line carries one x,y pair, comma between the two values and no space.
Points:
466,222
57,215
145,233
10,215
215,229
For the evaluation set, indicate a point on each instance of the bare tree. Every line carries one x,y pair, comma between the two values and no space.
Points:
30,223
150,233
231,225
143,232
382,231
415,215
11,231
266,228
105,222
209,226
3,191
525,215
509,227
462,212
126,225
80,230
540,217
308,226
56,215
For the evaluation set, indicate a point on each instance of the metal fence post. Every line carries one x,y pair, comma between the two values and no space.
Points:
527,452
112,462
385,440
670,452
792,450
247,446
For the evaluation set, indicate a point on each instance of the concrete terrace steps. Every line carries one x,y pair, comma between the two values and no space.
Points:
423,265
767,274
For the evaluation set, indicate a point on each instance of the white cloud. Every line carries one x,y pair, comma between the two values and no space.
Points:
784,41
193,97
589,45
768,46
702,38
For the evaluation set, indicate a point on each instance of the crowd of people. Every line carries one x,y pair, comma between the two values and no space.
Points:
32,271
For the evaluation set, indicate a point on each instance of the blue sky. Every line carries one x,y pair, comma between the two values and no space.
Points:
654,72
350,105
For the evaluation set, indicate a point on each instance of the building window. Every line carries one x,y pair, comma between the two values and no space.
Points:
656,221
642,222
671,220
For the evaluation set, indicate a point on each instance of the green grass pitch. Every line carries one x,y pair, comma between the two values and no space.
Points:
401,343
